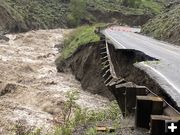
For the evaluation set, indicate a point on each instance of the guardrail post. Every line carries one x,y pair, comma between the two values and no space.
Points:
145,107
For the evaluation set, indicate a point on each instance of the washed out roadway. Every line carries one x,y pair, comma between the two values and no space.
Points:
166,71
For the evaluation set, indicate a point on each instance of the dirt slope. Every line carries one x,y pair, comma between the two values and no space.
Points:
85,64
31,90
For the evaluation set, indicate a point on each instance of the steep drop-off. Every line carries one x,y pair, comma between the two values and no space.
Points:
125,63
85,64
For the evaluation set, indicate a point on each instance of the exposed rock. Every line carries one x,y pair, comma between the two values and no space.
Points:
7,88
2,37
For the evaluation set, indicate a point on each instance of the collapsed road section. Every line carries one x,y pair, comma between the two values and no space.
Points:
126,81
165,71
102,68
137,90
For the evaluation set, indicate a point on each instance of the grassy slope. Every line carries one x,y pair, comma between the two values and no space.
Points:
165,26
9,18
40,13
85,34
145,5
152,5
81,36
53,13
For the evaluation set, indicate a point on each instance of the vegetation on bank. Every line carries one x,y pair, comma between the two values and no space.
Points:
40,13
34,14
128,6
81,11
9,18
75,117
165,26
80,36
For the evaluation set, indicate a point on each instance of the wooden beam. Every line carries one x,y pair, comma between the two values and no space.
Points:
126,97
145,107
158,125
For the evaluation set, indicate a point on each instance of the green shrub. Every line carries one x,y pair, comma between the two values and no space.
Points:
91,131
77,12
63,130
74,116
81,36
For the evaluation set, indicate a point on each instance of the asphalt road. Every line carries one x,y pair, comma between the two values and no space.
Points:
166,71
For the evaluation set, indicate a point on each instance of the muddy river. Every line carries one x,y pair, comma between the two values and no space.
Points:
31,90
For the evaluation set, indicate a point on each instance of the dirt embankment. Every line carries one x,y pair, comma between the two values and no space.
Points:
125,61
85,64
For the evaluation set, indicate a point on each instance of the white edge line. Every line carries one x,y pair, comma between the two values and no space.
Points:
115,40
156,71
159,73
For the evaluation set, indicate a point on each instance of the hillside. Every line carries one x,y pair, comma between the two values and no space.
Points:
34,14
165,26
20,15
135,12
10,19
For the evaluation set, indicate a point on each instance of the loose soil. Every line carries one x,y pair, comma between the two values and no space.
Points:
31,90
85,63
